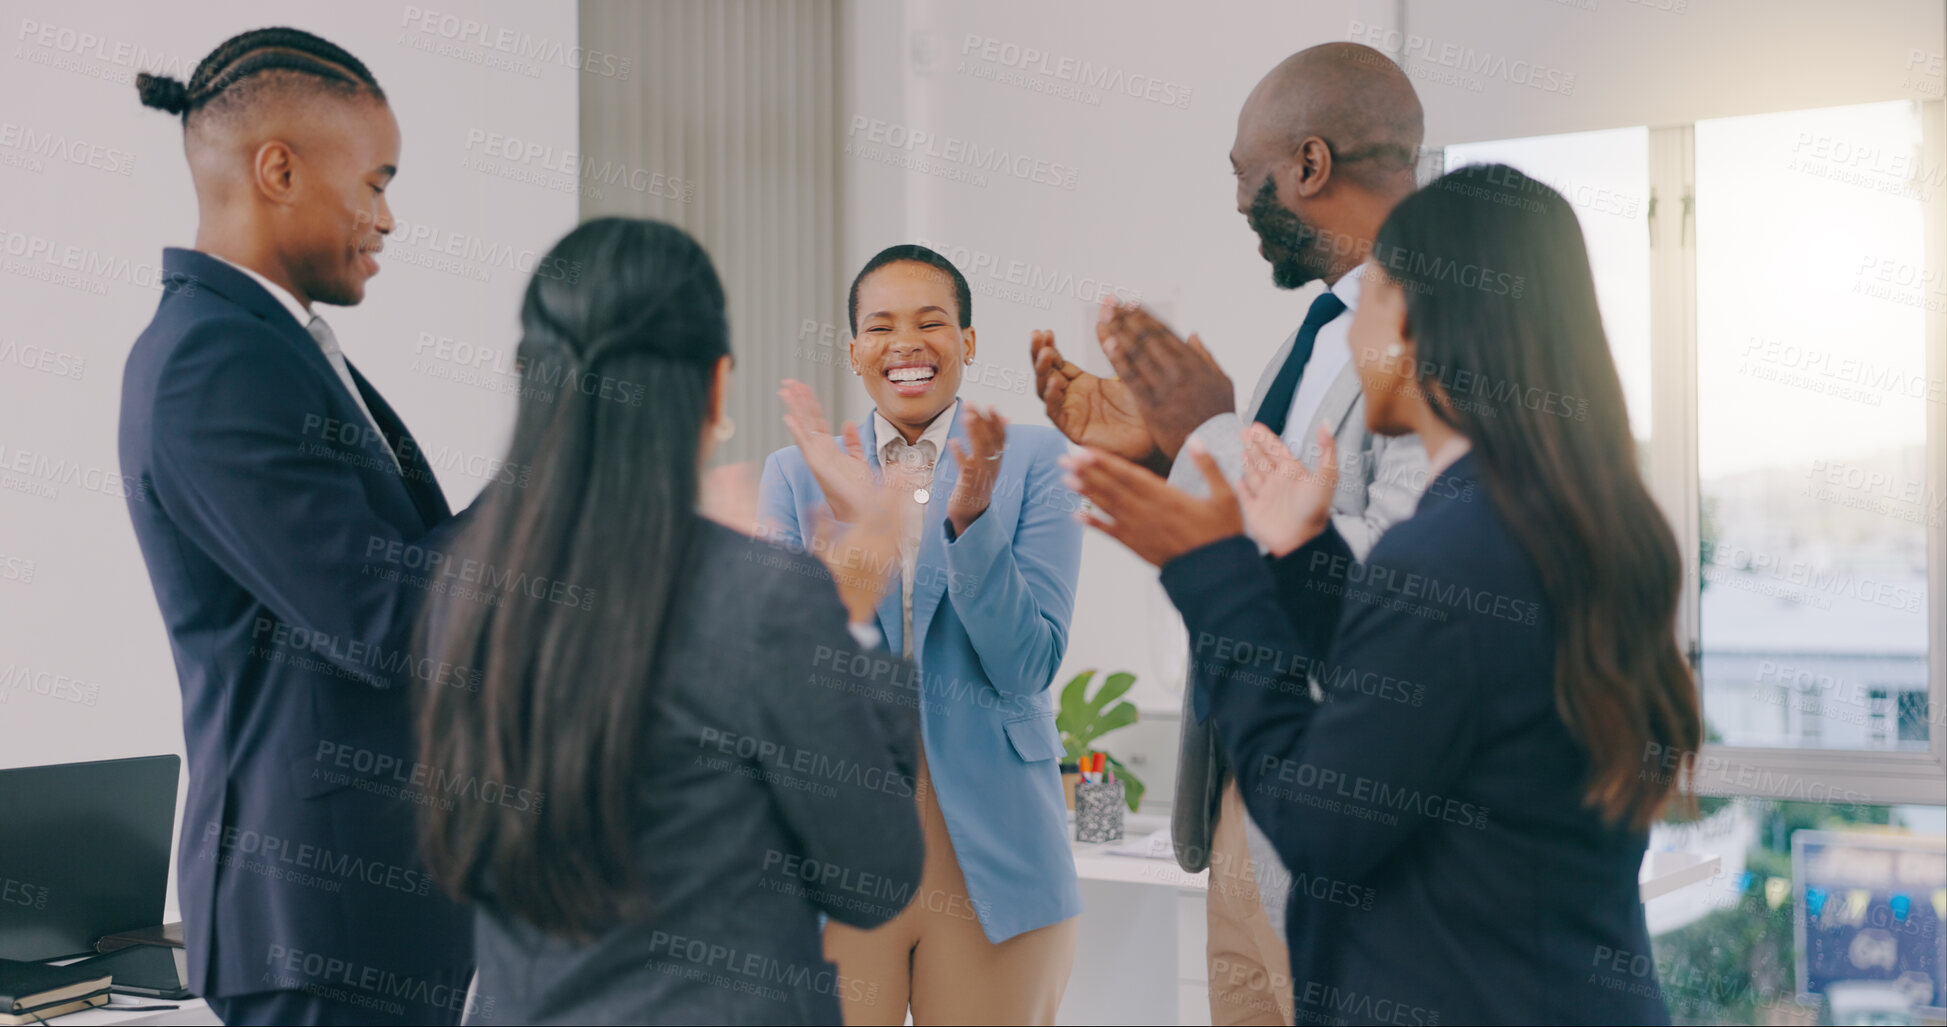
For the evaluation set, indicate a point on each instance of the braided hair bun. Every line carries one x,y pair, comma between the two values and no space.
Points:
162,92
243,57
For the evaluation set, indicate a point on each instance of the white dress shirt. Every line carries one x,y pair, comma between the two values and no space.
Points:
1331,351
1331,354
327,342
917,461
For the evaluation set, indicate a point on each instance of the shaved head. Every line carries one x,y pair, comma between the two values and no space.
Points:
1352,96
1326,143
315,119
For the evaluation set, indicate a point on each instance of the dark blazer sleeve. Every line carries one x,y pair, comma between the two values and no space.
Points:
1398,722
242,476
854,712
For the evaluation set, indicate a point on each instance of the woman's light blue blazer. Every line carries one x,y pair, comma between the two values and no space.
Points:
990,619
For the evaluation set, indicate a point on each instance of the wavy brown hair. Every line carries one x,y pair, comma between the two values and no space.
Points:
1501,306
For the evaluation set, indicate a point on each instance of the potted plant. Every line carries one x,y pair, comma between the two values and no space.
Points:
1083,719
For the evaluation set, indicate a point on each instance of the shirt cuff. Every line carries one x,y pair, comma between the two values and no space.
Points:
866,635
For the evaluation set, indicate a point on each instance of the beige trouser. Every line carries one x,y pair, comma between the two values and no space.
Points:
1250,969
935,957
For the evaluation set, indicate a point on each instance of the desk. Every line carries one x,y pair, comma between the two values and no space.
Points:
1139,958
1141,952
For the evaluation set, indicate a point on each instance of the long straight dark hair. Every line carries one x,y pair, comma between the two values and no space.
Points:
622,326
1501,306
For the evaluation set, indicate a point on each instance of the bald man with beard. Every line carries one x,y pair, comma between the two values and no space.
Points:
1326,145
285,516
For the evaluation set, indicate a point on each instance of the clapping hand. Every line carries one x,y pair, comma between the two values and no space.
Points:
843,474
1176,385
1157,521
1285,503
861,553
1090,410
860,549
979,466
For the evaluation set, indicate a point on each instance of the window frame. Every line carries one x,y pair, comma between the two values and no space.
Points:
1868,777
1842,776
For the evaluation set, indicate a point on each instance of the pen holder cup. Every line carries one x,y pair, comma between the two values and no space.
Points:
1099,807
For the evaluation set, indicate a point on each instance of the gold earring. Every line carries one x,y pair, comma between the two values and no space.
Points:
1395,350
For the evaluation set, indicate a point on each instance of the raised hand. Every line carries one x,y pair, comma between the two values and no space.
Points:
1145,513
843,474
1286,504
1176,385
1090,410
861,553
979,467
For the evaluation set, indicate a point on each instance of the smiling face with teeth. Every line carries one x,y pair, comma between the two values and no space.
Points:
910,348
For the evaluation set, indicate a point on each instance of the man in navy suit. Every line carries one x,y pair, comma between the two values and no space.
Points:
279,492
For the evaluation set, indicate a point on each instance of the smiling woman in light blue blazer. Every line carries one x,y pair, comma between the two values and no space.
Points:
987,584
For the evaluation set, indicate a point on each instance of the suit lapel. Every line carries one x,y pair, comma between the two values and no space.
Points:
929,572
1333,409
190,268
1337,403
417,475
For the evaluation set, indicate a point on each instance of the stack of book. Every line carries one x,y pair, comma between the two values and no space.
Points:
32,992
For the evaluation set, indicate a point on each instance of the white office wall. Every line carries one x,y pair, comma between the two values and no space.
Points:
1133,193
1498,69
93,186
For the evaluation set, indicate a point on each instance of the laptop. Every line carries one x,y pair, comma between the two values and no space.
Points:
84,852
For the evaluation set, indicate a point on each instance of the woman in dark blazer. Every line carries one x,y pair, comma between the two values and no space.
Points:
1465,814
672,752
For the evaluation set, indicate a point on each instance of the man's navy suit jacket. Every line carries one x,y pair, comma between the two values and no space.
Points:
288,554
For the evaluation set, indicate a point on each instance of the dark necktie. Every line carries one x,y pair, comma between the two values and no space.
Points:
328,341
1277,402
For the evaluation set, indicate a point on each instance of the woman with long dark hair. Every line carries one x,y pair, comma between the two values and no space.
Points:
1506,709
666,755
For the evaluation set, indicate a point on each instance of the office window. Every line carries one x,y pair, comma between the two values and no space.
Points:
1775,304
1811,417
1604,176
